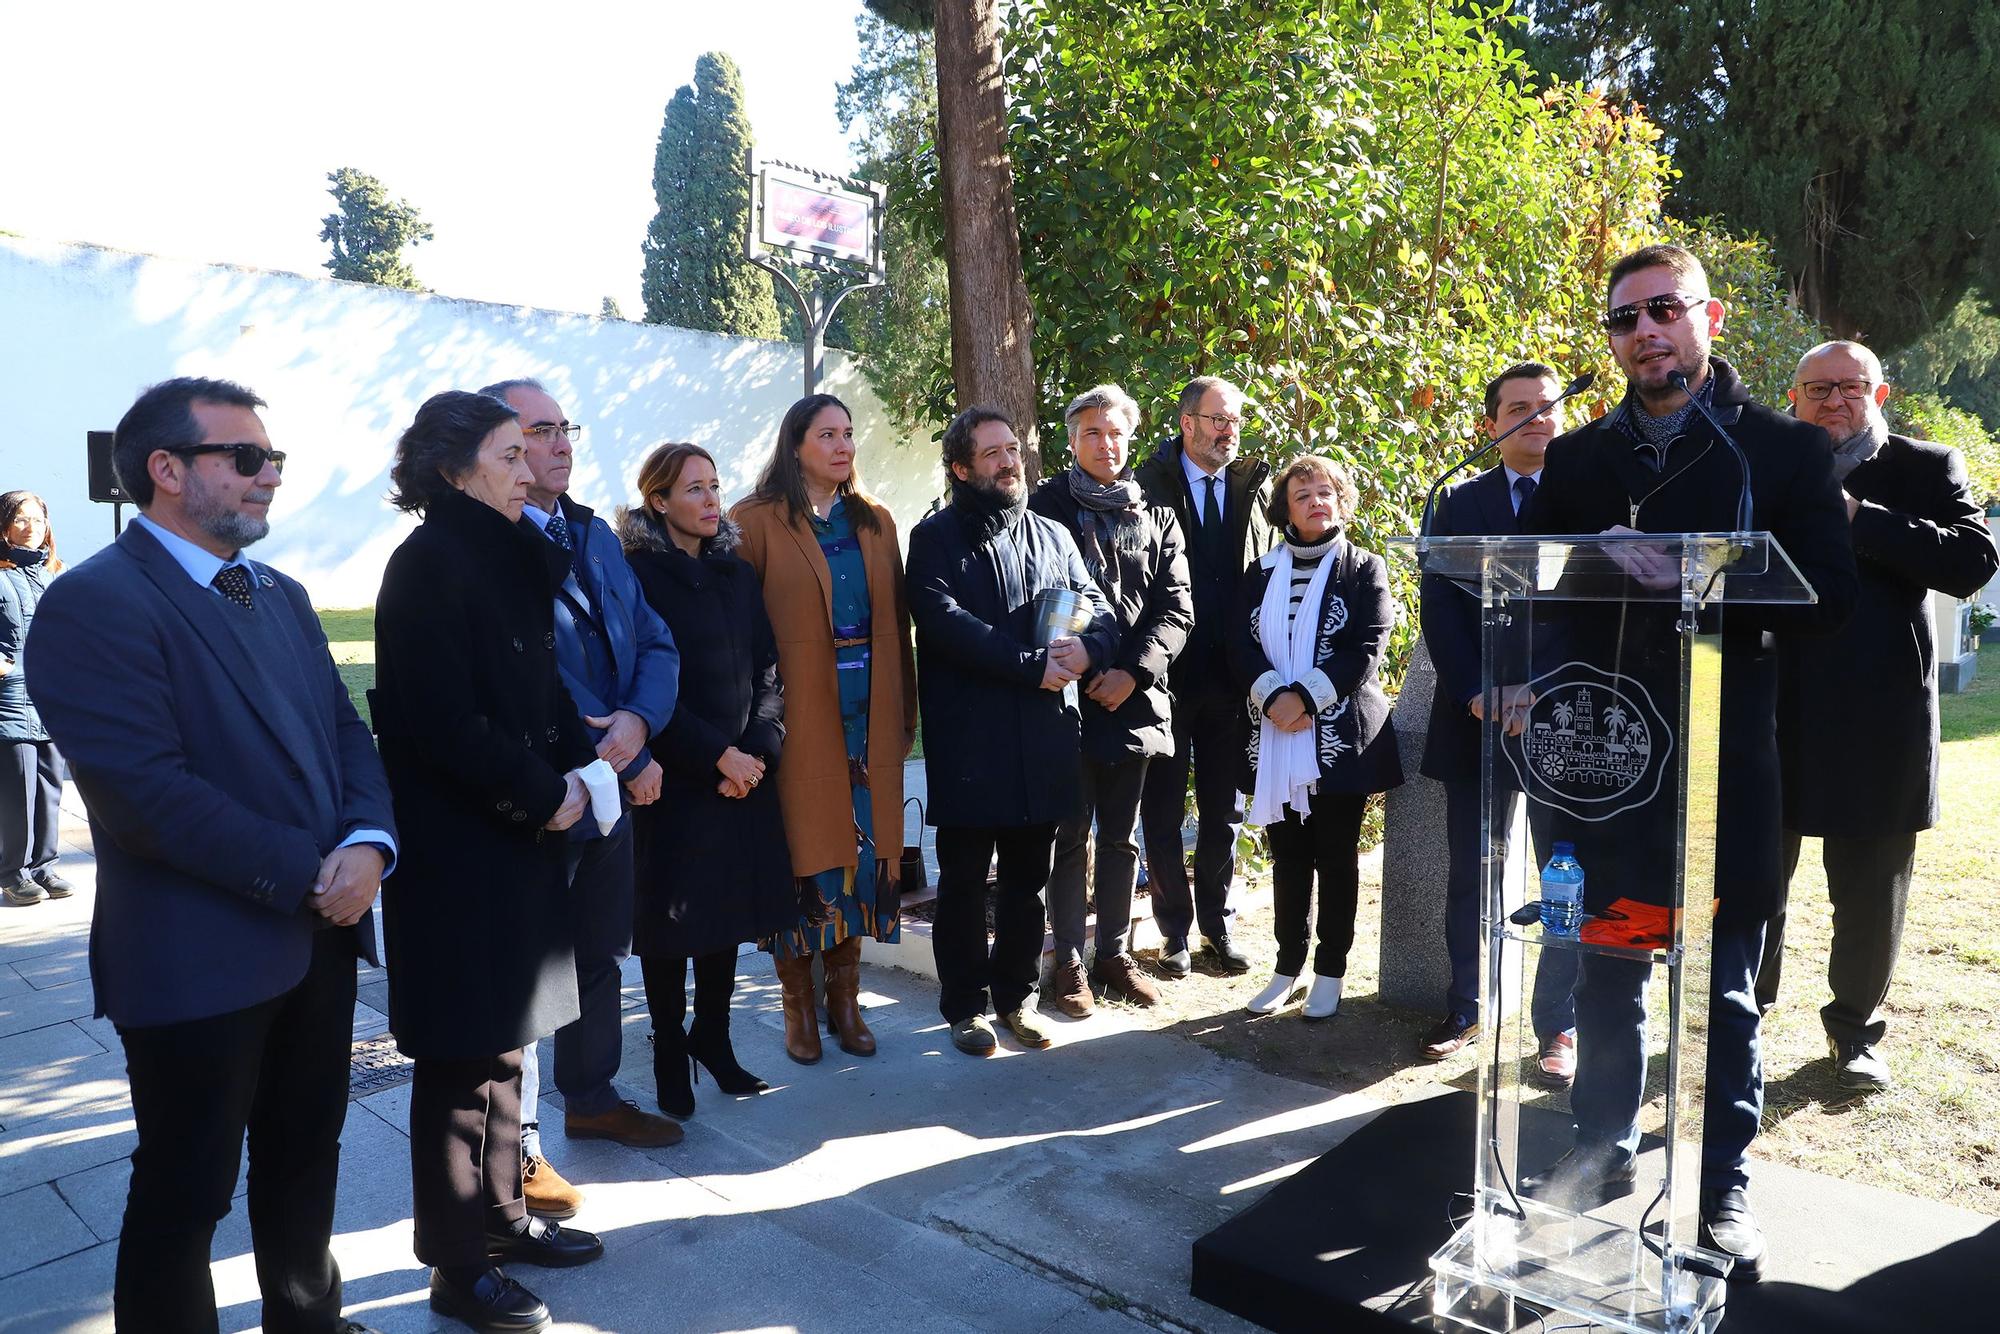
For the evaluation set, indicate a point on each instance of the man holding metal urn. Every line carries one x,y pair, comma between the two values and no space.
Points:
1008,619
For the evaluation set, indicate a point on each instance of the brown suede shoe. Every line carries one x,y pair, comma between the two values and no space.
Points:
624,1124
1123,981
547,1194
1071,989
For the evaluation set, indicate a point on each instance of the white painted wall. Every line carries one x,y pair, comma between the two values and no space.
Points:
344,366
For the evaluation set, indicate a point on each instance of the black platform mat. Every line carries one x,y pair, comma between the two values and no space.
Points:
1345,1243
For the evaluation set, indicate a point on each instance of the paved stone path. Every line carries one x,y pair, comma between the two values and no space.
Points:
1050,1192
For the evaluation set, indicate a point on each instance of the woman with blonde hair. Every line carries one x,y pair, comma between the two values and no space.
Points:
1313,616
832,577
31,771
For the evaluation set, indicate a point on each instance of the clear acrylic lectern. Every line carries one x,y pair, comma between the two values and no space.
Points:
1602,662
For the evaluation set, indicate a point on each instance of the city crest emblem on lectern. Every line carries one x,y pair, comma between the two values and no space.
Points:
1594,744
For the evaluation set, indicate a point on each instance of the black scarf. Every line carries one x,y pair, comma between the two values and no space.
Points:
986,514
1108,520
24,557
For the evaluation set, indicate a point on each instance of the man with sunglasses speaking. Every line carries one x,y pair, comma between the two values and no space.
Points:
1219,497
619,662
242,825
1868,784
1656,464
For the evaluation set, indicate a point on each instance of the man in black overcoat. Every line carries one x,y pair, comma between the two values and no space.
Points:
1001,725
1219,496
242,824
1489,504
1654,464
1858,711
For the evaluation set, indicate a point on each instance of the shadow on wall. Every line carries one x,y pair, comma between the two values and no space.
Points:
344,366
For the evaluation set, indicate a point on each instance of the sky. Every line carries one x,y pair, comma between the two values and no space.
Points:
524,133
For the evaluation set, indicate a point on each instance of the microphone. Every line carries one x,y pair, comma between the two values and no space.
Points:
1743,498
1573,388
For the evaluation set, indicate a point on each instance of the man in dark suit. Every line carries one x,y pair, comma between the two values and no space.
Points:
620,665
1869,784
242,825
1654,464
1488,504
1219,499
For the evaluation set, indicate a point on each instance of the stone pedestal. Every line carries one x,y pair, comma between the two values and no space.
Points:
1414,966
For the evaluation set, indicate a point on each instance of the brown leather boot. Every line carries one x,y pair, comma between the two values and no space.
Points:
843,998
795,976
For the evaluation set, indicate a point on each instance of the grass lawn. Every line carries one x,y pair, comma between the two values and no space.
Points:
350,633
1936,1134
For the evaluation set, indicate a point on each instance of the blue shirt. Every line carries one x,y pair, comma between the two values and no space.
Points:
202,566
1197,480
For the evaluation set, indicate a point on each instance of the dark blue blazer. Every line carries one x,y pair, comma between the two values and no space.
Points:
217,778
1480,507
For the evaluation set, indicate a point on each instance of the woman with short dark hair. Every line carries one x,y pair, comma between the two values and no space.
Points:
483,746
30,769
833,585
1312,619
711,868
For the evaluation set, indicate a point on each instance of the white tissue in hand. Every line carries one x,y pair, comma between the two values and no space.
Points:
602,780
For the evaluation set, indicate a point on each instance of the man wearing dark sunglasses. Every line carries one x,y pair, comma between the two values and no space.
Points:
242,825
1868,785
1655,464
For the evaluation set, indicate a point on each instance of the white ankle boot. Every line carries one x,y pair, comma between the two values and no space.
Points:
1276,996
1324,999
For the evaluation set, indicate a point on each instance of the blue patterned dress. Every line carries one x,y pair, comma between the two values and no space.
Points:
849,893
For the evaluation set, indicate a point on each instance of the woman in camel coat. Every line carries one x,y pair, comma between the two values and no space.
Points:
832,577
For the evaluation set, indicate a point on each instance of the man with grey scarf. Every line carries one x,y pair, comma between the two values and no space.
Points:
1858,711
1132,549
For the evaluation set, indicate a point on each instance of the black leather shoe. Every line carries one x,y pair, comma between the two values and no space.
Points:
547,1244
1223,956
1584,1178
1727,1225
1174,961
490,1302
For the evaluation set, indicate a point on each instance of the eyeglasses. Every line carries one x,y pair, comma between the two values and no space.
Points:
1221,421
548,431
1821,390
250,459
1663,309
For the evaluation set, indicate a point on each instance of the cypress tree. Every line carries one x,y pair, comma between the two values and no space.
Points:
695,274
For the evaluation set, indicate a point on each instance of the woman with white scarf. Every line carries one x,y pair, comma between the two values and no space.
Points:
1313,618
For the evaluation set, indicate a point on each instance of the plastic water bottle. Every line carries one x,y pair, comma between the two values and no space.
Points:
1562,892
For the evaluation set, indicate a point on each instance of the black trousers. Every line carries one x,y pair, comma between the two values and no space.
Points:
589,1047
30,805
1211,733
279,1071
1868,883
1325,843
966,968
465,1155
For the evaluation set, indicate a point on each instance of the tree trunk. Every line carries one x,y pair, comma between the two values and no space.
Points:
992,327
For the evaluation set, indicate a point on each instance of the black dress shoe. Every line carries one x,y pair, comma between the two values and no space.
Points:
1727,1225
491,1301
1174,960
1223,956
547,1244
1584,1178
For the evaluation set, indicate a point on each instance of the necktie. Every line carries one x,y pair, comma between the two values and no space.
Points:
558,531
233,582
1524,491
1211,509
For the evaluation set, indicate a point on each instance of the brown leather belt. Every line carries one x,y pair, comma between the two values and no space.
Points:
852,643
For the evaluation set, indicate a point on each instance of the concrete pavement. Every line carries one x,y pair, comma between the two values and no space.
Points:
1052,1192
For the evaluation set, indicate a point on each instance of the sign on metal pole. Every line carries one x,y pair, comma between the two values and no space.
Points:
826,223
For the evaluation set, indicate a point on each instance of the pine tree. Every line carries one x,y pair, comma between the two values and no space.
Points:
369,231
695,274
609,310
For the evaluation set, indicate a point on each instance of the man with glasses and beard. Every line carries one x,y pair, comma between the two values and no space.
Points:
242,825
1000,719
1868,783
1654,464
1219,498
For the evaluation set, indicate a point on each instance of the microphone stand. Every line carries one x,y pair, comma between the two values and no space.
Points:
1744,509
1575,387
